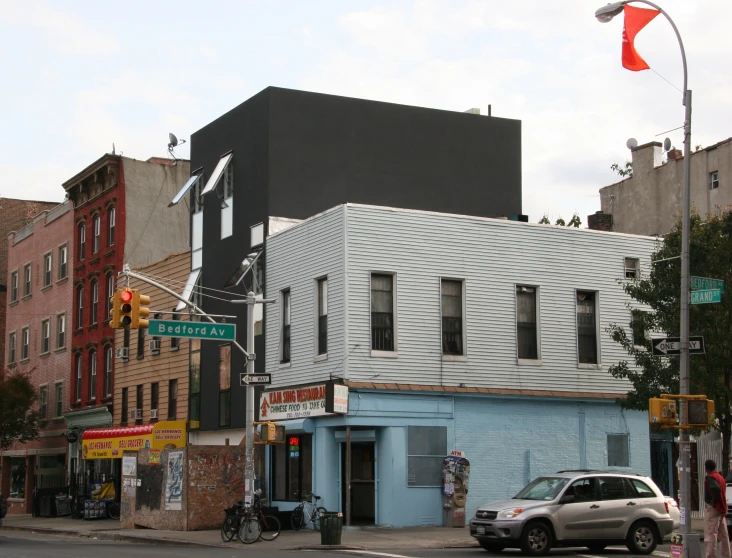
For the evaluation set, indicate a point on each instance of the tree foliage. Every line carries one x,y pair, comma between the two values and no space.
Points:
625,172
18,421
656,304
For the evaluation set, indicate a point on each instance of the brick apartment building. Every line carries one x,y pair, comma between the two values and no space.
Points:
38,308
14,215
120,216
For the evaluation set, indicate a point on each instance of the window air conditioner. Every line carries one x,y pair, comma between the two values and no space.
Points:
153,413
155,345
136,414
122,352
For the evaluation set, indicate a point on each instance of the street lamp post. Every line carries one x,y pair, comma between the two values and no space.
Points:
605,14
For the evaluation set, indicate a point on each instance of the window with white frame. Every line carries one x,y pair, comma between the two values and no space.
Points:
12,347
94,302
77,385
451,302
111,222
527,335
227,203
79,307
426,450
59,398
108,361
382,312
43,401
82,241
27,271
92,375
60,331
587,327
14,286
25,347
62,261
322,316
286,339
47,269
618,450
714,180
632,268
45,336
97,223
638,328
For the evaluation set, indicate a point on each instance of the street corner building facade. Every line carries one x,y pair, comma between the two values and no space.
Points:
119,217
38,309
398,337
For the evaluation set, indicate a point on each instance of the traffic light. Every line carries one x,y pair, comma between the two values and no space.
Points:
662,411
114,311
699,412
273,433
124,307
139,310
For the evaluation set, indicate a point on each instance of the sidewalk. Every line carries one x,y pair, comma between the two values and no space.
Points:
372,538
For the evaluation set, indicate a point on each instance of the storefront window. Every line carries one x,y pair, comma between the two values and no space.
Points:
292,468
17,477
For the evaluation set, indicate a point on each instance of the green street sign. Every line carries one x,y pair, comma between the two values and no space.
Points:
706,296
195,330
701,283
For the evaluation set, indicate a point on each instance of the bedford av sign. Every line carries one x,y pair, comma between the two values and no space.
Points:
303,402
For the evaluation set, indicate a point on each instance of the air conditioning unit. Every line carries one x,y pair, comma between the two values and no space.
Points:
153,413
155,346
136,414
122,352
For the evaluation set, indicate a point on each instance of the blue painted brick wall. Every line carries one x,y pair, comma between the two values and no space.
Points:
509,442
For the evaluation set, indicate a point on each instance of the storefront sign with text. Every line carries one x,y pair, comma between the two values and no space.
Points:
303,402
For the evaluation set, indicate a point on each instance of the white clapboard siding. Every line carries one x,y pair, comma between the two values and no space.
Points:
492,256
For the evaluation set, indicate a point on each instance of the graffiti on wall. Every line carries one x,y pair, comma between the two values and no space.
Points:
174,482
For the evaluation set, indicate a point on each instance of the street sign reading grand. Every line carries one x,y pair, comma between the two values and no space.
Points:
706,296
672,346
194,330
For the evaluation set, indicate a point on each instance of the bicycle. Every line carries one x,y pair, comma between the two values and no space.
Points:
113,510
230,526
311,511
269,525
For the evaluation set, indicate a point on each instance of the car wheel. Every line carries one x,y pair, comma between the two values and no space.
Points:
491,546
536,539
642,538
597,547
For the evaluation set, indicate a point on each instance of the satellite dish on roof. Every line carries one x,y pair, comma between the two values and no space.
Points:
632,143
172,140
667,144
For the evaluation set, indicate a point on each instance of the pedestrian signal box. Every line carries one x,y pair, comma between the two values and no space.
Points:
700,412
272,433
662,411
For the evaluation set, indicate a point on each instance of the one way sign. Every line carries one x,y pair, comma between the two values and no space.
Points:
254,379
672,346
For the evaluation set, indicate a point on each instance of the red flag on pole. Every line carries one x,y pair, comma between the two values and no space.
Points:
635,20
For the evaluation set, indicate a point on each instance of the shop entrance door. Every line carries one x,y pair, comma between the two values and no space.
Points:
363,482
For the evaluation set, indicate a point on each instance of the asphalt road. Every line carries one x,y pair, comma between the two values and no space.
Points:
30,545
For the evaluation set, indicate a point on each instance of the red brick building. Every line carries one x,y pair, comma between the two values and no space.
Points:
120,216
37,315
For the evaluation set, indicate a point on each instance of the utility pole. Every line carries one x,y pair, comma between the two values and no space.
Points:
249,434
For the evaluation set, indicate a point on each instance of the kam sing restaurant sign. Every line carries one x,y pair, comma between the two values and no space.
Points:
303,402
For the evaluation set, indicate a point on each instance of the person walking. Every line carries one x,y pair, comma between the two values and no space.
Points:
715,512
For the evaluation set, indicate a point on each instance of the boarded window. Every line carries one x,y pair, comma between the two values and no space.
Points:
618,454
426,450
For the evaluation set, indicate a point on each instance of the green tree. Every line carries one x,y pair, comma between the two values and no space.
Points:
575,221
656,310
18,421
625,172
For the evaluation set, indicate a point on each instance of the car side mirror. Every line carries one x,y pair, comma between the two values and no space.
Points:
567,499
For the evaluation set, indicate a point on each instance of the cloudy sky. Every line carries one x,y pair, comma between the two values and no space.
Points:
80,76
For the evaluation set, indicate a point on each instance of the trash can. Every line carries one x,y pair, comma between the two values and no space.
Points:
331,525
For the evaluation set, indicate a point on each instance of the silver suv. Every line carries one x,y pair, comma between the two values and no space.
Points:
577,508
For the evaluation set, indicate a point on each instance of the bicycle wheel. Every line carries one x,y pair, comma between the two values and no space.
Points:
250,530
113,510
270,527
317,516
229,528
297,518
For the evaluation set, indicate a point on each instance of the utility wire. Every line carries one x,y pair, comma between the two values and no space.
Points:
169,284
197,288
667,81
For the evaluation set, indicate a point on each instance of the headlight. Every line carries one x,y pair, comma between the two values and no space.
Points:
509,514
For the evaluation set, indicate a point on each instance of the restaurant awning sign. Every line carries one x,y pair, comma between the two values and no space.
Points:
111,443
303,402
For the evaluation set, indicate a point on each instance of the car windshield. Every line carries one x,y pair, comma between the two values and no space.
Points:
543,488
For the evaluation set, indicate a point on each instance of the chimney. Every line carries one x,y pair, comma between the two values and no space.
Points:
675,155
600,221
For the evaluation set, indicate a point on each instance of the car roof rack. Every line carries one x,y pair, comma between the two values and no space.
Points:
606,471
